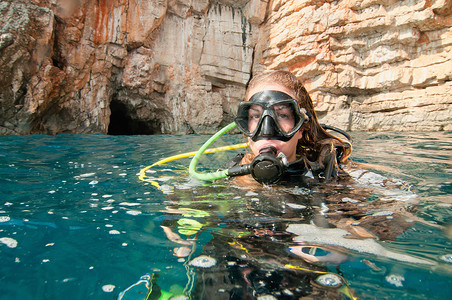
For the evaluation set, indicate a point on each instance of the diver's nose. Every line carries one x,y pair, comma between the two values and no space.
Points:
268,127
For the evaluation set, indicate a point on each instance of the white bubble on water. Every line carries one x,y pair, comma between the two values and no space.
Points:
447,258
346,199
203,261
114,232
129,204
329,279
107,196
395,280
296,206
93,182
382,214
9,242
108,288
107,208
87,175
4,219
249,194
134,212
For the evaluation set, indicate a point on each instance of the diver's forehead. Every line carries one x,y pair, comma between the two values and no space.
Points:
270,86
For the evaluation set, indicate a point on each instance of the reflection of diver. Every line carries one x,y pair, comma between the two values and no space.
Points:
259,246
249,255
259,243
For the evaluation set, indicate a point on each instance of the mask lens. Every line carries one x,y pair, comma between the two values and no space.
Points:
285,116
254,115
248,117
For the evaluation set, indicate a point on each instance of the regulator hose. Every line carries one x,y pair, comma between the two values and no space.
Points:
213,175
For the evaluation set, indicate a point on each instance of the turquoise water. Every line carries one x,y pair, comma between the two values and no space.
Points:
77,223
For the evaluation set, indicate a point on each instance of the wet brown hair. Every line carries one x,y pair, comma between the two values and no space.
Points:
316,144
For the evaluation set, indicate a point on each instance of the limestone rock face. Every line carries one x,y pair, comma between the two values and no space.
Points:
368,64
181,66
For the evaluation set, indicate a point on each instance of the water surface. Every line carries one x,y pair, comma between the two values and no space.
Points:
76,222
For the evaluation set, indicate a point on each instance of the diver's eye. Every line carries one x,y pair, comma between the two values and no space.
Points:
254,114
283,112
283,116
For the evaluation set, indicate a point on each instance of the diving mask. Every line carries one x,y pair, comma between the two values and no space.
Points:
270,115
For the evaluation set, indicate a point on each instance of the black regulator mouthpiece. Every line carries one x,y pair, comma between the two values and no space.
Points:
266,168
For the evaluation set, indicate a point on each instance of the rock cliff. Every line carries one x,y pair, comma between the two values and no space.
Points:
181,66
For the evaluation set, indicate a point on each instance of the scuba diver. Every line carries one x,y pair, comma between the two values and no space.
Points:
285,139
255,256
278,116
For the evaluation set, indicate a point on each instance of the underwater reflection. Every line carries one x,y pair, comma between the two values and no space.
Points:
284,242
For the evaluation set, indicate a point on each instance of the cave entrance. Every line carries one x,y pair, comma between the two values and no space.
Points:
123,123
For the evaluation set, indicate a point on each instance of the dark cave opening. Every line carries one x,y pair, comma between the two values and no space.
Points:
122,123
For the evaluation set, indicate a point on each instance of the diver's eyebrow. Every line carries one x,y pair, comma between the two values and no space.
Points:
281,106
254,107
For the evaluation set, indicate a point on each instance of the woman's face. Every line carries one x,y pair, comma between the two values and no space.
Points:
289,148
